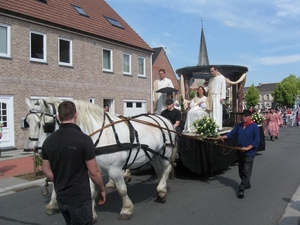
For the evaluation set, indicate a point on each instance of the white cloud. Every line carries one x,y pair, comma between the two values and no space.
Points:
273,60
288,9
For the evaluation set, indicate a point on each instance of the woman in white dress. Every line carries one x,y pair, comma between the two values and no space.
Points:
197,109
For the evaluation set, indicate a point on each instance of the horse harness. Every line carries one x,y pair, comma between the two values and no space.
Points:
133,135
49,127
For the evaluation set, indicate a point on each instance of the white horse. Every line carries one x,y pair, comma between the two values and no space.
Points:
41,126
119,143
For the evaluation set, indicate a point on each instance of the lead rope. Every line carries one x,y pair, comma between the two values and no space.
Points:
46,192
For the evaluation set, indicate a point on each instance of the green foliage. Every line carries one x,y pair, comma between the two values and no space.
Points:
252,97
38,160
192,94
287,90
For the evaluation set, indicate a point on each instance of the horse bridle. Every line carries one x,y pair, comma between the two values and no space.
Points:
26,125
48,127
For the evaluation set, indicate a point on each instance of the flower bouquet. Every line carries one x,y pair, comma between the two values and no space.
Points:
259,119
206,127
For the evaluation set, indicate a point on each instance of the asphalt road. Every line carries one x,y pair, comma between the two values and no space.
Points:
192,199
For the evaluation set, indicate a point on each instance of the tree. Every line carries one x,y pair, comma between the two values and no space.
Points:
287,91
251,97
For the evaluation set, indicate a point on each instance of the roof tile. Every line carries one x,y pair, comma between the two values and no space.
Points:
62,13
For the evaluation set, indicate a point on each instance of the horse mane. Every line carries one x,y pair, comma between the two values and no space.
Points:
88,113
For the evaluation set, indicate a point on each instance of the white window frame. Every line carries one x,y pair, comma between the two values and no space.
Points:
70,52
111,60
35,98
129,64
7,54
92,100
144,68
44,59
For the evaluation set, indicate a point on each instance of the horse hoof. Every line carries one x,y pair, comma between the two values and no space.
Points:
125,217
52,211
110,188
160,199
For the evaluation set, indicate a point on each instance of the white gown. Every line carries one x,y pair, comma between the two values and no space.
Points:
196,112
217,91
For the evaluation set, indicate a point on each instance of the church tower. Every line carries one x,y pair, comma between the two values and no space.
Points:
203,56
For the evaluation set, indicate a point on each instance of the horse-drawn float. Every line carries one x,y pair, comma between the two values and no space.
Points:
122,143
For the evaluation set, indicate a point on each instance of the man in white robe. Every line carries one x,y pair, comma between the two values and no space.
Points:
159,99
216,96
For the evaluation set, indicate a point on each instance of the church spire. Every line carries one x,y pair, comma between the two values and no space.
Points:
203,56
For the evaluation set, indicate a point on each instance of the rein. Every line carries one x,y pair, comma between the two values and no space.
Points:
208,140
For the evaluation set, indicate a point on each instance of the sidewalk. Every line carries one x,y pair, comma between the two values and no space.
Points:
13,163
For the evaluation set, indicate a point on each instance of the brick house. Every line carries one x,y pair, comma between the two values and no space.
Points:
71,49
161,61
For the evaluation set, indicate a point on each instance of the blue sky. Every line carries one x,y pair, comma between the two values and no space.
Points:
261,35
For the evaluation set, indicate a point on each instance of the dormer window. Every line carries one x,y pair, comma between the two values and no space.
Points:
80,10
114,22
44,1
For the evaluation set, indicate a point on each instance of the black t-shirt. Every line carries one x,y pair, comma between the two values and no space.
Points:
173,115
67,149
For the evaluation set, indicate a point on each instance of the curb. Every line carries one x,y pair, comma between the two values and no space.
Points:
28,184
292,214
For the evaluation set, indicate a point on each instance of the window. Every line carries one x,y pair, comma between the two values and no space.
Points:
107,60
126,63
129,104
80,10
114,22
44,1
38,48
3,114
65,52
141,62
92,100
4,40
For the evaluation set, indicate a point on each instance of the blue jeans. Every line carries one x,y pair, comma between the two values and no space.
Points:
79,213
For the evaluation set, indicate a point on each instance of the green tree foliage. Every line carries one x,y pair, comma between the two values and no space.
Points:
192,94
251,97
287,90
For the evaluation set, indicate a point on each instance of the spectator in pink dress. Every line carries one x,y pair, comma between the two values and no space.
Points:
273,122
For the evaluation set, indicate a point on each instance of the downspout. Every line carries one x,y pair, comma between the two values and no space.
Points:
151,78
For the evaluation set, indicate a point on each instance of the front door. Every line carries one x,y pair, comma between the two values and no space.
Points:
7,120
